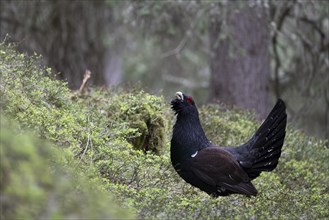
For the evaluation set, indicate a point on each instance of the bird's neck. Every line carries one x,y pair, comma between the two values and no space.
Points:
188,138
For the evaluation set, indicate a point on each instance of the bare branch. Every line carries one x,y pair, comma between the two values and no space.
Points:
314,25
187,35
177,50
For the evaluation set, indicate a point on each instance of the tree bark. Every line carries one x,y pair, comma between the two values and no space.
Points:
69,35
240,68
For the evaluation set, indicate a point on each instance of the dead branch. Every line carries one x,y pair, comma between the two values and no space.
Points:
86,76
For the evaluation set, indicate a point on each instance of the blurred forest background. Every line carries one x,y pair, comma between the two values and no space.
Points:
243,53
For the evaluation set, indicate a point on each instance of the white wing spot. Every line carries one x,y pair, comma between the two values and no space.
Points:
193,155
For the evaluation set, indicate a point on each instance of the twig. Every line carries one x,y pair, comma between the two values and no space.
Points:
88,141
177,50
314,25
77,93
326,96
183,42
86,76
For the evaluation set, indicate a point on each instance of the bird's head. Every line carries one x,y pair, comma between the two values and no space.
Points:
183,104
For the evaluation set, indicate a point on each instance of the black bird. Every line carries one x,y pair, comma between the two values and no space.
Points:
221,171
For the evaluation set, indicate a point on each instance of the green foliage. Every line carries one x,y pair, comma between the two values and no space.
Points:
232,127
137,117
39,181
36,100
123,138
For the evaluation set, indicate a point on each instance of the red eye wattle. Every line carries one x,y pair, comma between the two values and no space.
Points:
189,100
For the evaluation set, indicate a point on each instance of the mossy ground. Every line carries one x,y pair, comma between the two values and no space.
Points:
122,138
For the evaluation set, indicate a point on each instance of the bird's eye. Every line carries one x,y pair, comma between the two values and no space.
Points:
189,100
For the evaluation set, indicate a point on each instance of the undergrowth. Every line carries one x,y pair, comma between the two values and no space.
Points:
124,137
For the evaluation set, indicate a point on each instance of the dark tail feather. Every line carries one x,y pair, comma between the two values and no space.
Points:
263,150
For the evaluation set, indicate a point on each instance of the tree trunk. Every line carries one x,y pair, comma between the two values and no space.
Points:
240,69
69,35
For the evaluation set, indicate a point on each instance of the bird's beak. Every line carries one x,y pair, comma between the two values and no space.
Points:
179,96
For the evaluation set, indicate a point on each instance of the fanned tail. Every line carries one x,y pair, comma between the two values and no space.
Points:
263,150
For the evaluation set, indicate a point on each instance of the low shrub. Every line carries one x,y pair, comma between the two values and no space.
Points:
40,181
124,137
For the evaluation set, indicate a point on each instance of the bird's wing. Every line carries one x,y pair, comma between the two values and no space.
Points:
218,168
